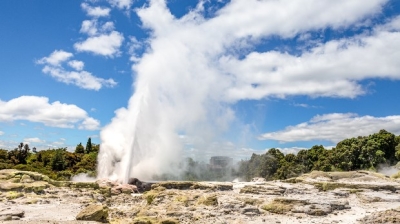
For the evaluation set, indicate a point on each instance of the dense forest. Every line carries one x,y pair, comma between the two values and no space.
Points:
361,153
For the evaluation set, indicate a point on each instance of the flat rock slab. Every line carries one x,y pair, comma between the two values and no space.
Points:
12,212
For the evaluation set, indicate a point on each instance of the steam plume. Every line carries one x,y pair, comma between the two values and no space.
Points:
185,82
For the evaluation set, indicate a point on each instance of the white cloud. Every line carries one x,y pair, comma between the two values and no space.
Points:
8,144
93,28
335,127
95,11
121,4
293,150
80,78
77,65
332,69
104,44
1,132
89,124
107,26
33,140
56,58
304,105
89,27
38,109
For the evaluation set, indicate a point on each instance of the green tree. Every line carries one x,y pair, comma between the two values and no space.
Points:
79,148
3,155
289,167
88,162
95,148
261,165
89,146
386,143
346,155
58,160
371,155
19,154
398,151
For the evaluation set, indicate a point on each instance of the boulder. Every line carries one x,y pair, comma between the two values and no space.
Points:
127,188
388,216
36,187
26,179
115,191
98,213
250,211
106,183
11,214
8,186
140,186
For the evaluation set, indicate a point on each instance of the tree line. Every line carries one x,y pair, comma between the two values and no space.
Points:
58,164
360,153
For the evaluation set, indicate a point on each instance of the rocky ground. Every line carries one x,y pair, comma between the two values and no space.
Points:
318,197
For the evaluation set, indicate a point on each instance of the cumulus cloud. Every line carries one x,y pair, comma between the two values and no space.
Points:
94,28
1,132
304,105
90,124
56,58
121,4
103,39
89,27
79,77
39,109
33,140
331,69
77,65
82,79
335,127
95,11
104,44
107,26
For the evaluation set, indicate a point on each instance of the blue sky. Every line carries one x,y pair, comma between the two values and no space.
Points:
243,75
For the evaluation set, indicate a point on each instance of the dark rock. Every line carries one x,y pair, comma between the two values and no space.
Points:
250,211
141,186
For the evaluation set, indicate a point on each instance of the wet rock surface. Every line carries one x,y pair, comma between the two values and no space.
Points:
351,197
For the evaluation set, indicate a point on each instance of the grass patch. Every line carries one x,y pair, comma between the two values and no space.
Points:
150,196
144,220
208,200
13,195
277,207
183,199
250,201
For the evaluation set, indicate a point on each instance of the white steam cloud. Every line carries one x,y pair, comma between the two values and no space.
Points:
185,82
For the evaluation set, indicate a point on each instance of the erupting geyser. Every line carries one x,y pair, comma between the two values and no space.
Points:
177,90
